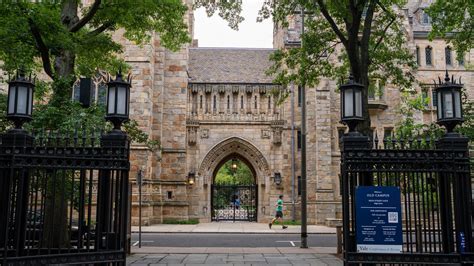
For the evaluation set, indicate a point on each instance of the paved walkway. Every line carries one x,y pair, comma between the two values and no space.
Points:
230,227
233,256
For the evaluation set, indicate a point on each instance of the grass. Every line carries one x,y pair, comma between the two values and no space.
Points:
288,222
176,221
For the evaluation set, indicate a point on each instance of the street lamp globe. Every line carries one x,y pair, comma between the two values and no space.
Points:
351,103
118,100
20,99
448,95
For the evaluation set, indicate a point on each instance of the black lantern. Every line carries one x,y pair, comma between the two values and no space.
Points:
191,178
448,95
20,99
351,103
118,100
277,178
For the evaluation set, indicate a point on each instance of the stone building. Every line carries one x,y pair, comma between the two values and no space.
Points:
209,105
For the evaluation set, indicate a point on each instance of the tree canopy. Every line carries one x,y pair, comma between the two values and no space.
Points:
453,20
241,176
365,38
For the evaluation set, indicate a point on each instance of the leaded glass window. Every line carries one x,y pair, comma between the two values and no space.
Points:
428,55
447,52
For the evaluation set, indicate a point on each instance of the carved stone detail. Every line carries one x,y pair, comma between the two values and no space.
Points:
204,133
192,127
266,134
277,128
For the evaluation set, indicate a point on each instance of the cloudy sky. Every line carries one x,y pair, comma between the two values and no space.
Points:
214,32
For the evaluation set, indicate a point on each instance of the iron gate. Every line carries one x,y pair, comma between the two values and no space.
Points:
234,203
63,199
436,197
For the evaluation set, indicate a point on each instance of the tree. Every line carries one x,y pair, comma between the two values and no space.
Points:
453,20
367,35
69,39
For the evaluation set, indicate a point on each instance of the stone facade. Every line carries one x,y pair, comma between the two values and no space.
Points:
208,105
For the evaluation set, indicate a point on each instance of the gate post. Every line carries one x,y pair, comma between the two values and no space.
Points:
17,140
116,143
352,141
458,147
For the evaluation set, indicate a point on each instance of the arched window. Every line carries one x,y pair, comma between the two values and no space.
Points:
228,102
200,102
215,103
447,56
428,55
255,102
241,102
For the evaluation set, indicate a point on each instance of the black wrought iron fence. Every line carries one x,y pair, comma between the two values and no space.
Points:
64,198
436,197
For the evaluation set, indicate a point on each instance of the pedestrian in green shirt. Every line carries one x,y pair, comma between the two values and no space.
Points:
279,213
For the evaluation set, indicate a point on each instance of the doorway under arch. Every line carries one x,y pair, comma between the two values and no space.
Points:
234,195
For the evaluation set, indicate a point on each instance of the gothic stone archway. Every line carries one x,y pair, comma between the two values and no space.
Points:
245,151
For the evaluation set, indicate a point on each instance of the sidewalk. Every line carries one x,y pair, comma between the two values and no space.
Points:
230,227
233,256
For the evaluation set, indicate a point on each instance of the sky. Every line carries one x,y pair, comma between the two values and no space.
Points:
214,31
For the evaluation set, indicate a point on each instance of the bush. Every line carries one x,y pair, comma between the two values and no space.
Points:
176,221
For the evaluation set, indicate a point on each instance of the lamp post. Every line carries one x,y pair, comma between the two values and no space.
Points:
277,178
118,105
191,178
449,115
19,109
448,95
351,104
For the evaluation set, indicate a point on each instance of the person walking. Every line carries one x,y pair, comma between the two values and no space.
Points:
279,213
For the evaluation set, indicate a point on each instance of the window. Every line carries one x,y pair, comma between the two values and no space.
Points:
255,102
241,102
200,101
417,54
387,132
376,90
424,96
228,102
299,140
300,92
269,102
428,55
169,194
447,53
89,91
215,103
461,60
426,19
434,98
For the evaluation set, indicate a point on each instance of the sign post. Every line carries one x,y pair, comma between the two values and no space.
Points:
378,220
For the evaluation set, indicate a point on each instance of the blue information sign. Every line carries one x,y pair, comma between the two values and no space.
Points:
378,220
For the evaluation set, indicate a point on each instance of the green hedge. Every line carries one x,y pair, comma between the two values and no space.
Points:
176,221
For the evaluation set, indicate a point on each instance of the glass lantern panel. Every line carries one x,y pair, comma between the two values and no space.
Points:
22,101
30,101
358,103
11,100
121,100
111,101
457,104
448,105
348,103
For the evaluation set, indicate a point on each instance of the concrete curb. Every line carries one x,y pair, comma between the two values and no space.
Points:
219,250
213,232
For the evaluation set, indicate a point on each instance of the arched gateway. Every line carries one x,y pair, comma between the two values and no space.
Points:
234,200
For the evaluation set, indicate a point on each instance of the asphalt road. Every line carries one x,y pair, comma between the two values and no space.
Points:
231,240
